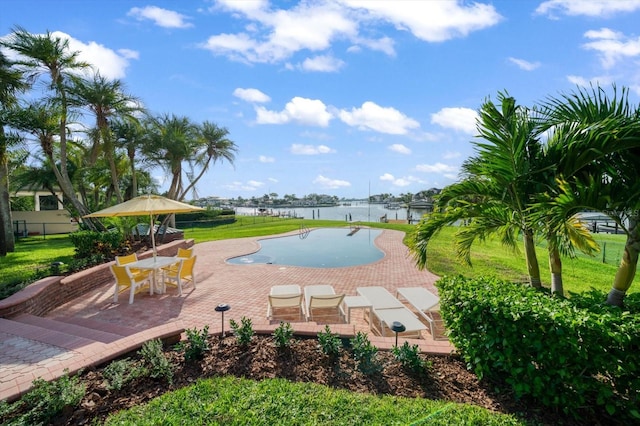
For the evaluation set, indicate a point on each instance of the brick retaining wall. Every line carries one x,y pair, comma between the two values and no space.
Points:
48,293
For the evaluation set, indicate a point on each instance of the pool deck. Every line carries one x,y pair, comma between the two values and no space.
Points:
243,287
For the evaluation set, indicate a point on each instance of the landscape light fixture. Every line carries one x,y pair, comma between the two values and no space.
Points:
397,327
223,307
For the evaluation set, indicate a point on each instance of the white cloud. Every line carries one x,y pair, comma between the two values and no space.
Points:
110,64
311,112
612,46
451,155
400,182
525,65
374,117
251,95
387,177
327,183
249,186
435,168
384,45
300,149
595,8
265,159
400,149
432,21
587,82
461,119
322,63
274,35
255,183
161,17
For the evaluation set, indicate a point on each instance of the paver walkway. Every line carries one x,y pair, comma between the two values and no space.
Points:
243,287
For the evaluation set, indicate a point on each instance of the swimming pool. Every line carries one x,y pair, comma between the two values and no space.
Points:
321,248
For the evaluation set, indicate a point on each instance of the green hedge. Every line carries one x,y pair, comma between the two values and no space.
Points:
573,355
93,243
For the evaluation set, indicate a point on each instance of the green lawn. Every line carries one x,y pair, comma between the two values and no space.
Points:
234,401
492,259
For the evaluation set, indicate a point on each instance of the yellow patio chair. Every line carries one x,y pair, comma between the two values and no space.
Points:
182,254
125,279
125,260
185,253
184,272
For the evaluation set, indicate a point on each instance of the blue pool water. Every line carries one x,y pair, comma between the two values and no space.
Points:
321,248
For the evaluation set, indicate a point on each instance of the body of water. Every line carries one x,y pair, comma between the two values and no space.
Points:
320,248
354,211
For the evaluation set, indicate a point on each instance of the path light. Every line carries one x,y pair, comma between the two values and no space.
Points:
397,327
223,307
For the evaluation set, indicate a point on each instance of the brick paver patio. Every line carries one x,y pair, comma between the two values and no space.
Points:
243,287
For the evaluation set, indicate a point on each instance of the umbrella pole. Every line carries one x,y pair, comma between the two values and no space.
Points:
152,231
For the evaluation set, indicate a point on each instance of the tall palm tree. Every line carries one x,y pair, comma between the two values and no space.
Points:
39,121
497,186
215,147
50,53
607,126
129,134
106,99
11,83
172,141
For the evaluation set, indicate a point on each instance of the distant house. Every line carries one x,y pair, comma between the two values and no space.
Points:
48,216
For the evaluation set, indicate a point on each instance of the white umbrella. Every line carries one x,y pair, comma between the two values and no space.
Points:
146,205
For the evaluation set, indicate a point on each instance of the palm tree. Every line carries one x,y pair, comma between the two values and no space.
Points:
608,129
172,140
46,52
495,192
106,100
11,83
40,121
129,134
215,146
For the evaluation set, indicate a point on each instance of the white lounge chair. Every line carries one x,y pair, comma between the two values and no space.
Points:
285,302
323,303
426,304
387,309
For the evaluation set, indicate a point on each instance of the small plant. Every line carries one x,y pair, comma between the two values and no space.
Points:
283,335
155,359
329,342
243,332
409,357
196,345
48,399
119,373
365,354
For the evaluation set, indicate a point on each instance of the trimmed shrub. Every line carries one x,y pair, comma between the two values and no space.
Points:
92,243
568,355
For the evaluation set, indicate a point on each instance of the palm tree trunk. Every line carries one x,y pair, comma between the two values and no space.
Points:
134,180
63,174
533,268
555,265
7,240
628,264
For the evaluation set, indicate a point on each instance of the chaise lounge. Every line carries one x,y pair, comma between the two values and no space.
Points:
387,309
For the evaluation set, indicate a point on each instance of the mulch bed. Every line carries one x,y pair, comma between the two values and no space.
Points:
447,379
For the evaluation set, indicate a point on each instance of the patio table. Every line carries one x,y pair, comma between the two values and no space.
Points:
154,264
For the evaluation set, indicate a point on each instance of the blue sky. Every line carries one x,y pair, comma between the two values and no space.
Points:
342,97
